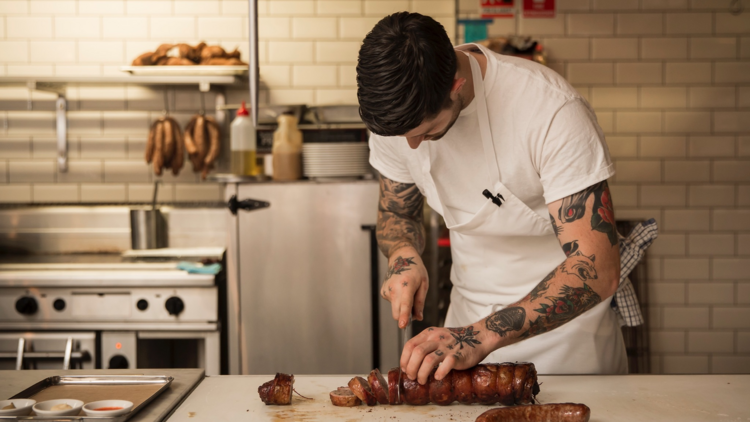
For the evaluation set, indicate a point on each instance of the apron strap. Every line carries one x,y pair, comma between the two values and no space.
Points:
484,123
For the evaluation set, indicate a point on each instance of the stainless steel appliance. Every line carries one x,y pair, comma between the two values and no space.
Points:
118,314
303,280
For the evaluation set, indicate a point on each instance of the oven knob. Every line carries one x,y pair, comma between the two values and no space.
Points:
174,305
58,304
26,305
142,304
118,362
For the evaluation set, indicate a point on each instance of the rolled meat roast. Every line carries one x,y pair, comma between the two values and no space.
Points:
506,383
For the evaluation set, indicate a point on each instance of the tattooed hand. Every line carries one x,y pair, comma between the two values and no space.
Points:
405,285
451,348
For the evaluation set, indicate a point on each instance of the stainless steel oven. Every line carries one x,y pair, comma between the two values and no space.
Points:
107,315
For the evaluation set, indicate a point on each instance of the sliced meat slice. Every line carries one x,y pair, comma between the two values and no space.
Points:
344,397
378,386
394,385
277,391
361,389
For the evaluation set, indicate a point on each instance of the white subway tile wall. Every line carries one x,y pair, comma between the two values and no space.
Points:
308,55
670,83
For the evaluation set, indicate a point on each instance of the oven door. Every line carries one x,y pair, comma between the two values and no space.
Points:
161,349
47,350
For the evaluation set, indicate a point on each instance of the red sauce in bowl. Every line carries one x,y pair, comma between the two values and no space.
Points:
106,409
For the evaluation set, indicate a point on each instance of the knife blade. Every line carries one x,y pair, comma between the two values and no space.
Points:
403,344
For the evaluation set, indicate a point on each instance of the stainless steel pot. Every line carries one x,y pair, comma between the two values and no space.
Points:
148,229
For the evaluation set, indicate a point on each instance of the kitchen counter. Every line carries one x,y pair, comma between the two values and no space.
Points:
631,398
13,382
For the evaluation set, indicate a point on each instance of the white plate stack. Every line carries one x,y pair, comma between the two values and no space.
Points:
335,159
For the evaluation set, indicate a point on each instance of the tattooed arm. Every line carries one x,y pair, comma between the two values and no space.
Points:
400,235
584,225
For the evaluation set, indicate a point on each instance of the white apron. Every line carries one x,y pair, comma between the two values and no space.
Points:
500,254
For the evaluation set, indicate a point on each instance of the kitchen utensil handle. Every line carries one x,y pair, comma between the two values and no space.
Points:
375,294
68,352
246,204
19,356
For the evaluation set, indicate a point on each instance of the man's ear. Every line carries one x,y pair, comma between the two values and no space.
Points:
458,83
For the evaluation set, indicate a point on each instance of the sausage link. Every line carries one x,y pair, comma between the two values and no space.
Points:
484,383
557,412
462,389
414,393
179,148
158,148
519,380
441,391
505,384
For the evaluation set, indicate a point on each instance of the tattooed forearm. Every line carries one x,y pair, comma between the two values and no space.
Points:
541,288
571,302
506,320
399,217
399,266
580,265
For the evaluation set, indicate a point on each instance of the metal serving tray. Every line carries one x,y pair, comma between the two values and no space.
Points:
140,389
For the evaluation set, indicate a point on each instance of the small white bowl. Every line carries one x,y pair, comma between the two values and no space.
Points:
23,407
90,408
43,408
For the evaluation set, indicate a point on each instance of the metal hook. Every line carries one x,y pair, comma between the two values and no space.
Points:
165,111
203,104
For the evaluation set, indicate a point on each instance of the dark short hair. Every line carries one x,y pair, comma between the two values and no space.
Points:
405,71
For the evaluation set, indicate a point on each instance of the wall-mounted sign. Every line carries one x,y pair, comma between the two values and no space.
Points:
538,8
498,8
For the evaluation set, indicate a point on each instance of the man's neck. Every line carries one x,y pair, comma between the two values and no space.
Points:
464,71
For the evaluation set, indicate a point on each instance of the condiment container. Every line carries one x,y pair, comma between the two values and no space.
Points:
287,150
22,407
44,408
243,144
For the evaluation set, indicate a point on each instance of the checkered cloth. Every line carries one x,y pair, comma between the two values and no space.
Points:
632,249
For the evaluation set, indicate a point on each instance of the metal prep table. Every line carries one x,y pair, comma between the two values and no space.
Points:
612,398
185,380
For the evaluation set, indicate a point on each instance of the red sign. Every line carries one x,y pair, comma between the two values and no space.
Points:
538,8
498,8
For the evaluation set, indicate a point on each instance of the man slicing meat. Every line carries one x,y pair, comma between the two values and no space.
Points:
513,158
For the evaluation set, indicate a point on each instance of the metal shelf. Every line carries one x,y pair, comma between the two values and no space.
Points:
57,85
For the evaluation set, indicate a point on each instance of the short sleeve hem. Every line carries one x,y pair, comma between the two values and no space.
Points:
579,183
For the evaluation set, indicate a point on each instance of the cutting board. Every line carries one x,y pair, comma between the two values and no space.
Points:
630,398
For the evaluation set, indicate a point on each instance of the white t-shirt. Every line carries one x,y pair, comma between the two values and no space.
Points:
548,143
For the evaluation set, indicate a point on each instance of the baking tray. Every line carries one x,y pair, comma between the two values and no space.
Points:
139,389
216,70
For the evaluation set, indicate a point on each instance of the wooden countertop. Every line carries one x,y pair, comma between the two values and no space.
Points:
631,398
13,382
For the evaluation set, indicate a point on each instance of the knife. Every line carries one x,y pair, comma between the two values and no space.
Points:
403,344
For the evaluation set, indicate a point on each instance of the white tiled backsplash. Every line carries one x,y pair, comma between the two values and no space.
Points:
308,53
670,83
